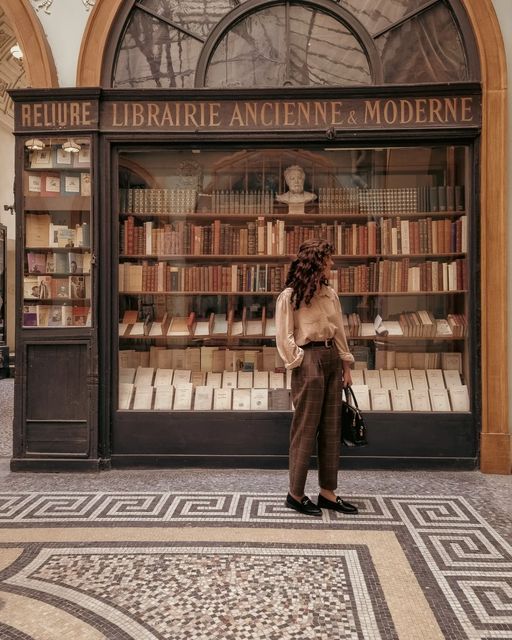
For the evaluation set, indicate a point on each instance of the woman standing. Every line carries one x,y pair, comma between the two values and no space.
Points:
311,340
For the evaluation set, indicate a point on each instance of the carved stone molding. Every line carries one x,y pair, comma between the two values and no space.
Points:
46,5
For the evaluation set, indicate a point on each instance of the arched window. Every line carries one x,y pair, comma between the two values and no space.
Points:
271,43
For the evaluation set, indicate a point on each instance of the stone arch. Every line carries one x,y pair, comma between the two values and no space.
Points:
38,60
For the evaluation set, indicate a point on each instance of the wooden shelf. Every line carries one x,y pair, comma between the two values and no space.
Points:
57,203
345,294
58,249
389,338
283,258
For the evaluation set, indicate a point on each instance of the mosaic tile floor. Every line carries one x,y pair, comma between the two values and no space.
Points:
237,565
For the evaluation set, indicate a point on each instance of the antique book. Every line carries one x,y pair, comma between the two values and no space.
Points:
380,399
403,379
125,395
387,379
203,398
219,325
242,399
163,377
193,359
127,374
420,400
137,329
451,361
163,398
260,380
30,288
451,378
276,380
214,379
181,377
230,379
144,376
372,378
155,329
400,400
222,399
419,379
435,379
37,230
362,394
37,262
279,399
357,377
259,399
245,379
439,400
198,378
143,399
459,398
178,326
183,397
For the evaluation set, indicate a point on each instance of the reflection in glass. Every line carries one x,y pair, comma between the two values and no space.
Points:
196,16
376,15
425,49
154,54
316,50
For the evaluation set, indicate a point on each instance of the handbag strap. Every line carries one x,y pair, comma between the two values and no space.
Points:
350,397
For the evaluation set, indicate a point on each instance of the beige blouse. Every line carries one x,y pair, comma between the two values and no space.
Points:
321,320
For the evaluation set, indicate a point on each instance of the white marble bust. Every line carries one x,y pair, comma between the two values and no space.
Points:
294,177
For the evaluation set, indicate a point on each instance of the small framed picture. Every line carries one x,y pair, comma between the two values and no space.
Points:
71,184
83,157
41,159
63,158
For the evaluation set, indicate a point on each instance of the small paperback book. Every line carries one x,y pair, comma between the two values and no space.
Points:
143,400
279,399
452,378
163,398
260,380
380,399
203,398
245,379
419,380
144,376
372,378
387,379
403,379
229,379
362,394
276,380
435,379
181,377
222,399
214,379
163,377
420,400
242,399
400,400
439,400
183,397
259,399
125,395
459,398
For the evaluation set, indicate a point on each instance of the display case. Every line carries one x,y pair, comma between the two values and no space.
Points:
3,286
204,237
57,232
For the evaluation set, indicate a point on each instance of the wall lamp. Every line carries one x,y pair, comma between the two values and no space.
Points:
34,144
16,52
70,146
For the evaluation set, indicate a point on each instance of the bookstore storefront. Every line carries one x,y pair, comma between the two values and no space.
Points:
157,225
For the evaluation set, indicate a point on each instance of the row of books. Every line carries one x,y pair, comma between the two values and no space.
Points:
51,184
380,276
411,199
54,157
274,238
40,232
391,359
52,288
403,379
157,200
455,398
259,202
201,398
58,262
213,325
417,324
56,316
160,377
206,358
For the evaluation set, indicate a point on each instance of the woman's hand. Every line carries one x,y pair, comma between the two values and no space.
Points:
347,377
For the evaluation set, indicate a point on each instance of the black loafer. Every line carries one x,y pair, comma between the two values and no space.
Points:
340,505
304,506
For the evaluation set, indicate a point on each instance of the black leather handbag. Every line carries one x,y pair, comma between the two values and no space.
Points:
353,428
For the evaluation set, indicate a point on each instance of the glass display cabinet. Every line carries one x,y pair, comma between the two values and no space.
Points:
204,238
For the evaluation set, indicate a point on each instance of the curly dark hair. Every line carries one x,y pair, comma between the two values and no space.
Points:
305,273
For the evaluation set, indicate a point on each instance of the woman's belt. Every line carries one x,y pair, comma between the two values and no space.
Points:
321,344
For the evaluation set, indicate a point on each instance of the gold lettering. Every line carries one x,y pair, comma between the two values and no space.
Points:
289,112
190,114
201,113
390,111
251,113
46,117
86,113
25,115
406,111
137,114
214,114
435,106
153,113
320,110
38,115
450,105
237,116
62,113
264,107
304,110
372,111
467,109
167,116
178,114
421,115
115,123
74,113
336,116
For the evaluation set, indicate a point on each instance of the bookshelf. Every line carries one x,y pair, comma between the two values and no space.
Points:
3,286
57,255
203,255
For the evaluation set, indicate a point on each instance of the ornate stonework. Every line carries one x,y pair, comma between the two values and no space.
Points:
12,73
46,4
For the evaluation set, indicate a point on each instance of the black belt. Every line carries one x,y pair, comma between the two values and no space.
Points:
325,344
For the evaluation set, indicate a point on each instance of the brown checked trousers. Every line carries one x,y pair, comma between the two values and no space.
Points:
316,394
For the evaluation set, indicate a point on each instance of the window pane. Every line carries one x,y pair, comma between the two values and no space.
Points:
197,16
154,54
256,52
425,49
376,15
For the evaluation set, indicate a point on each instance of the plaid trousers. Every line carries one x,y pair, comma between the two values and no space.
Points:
316,394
